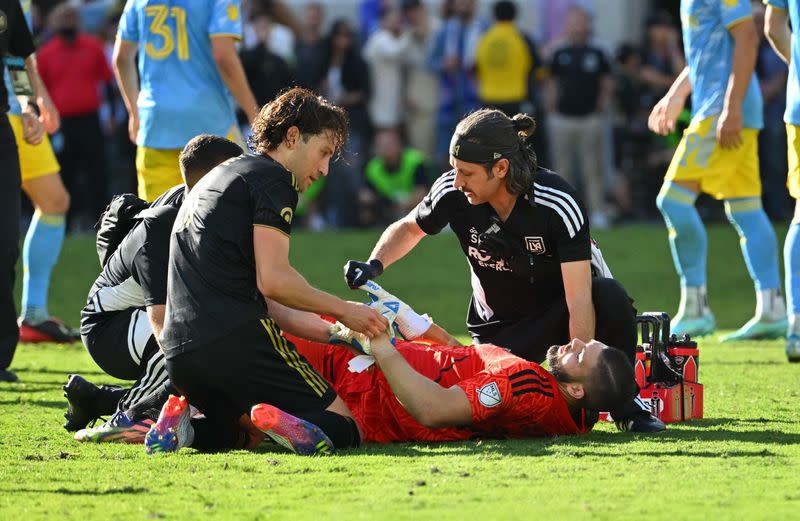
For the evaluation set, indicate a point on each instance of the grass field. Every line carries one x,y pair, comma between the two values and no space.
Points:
742,461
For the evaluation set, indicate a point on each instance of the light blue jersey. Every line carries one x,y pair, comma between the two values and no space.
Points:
181,93
13,103
792,114
709,54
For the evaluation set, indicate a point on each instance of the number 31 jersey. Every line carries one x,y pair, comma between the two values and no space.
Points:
181,93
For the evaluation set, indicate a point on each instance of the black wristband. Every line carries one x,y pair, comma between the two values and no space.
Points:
376,265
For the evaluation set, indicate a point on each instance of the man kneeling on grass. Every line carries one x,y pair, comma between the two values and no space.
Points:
421,392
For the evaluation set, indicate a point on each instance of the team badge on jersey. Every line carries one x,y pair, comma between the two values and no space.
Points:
287,215
535,245
489,395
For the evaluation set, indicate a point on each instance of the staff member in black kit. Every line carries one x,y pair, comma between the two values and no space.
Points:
526,236
15,42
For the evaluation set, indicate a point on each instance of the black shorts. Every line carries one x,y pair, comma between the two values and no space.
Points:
253,364
530,337
121,343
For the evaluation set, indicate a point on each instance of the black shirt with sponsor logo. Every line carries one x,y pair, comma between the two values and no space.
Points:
578,72
549,221
15,40
135,275
212,272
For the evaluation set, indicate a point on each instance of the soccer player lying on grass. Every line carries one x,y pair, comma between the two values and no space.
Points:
124,312
421,392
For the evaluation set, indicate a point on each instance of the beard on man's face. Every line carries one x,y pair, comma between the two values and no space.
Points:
554,361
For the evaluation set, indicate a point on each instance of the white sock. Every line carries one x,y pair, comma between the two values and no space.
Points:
770,305
694,302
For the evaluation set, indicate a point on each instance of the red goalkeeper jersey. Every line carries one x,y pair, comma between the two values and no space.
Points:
510,397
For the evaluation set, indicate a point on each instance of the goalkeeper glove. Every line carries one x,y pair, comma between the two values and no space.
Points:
341,334
406,322
357,273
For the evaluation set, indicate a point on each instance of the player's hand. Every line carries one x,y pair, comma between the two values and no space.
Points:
50,117
729,128
31,128
133,127
664,115
343,335
357,273
364,319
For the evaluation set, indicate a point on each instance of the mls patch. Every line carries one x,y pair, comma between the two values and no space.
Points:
489,395
535,245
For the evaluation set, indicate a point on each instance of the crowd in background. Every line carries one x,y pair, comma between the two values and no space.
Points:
406,74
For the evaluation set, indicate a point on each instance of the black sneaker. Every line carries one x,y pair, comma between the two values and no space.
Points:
7,376
641,422
81,396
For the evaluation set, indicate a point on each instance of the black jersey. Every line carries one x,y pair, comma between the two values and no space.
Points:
135,275
15,40
549,221
212,273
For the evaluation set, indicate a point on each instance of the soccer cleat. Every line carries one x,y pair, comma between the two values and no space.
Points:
297,435
119,429
173,430
48,330
793,348
81,395
758,329
694,326
641,422
7,376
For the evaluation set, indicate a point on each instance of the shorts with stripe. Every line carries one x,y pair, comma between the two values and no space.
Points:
250,365
120,343
124,347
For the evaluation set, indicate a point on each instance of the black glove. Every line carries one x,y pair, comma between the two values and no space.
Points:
498,243
357,273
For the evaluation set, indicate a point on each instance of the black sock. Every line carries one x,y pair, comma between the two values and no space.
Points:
150,406
342,430
214,436
107,399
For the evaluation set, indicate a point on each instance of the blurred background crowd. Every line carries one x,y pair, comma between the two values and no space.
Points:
589,71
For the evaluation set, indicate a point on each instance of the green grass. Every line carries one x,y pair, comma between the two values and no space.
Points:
742,460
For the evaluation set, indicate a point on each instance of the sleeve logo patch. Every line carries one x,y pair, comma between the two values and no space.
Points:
287,215
489,395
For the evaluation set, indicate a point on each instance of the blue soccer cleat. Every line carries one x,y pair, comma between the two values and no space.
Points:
173,430
758,329
793,348
119,429
297,435
694,326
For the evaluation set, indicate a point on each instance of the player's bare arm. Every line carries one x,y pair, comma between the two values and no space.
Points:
395,242
665,113
277,280
223,48
778,32
577,278
745,50
49,114
428,402
155,315
124,61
